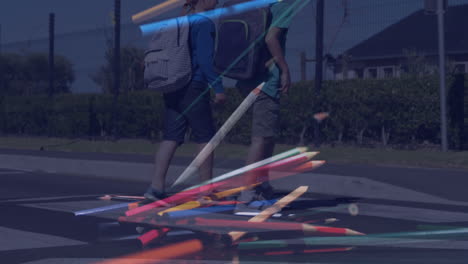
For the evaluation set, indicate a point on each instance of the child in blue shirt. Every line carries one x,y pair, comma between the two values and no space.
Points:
190,106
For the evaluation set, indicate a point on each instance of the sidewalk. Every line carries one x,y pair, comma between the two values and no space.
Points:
133,167
367,181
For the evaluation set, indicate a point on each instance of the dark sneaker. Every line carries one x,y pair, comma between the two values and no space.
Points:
154,195
252,201
265,191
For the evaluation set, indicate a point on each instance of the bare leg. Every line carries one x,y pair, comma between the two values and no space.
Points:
206,168
260,149
162,160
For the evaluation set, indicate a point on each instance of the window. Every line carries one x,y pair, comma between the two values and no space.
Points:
388,72
371,73
381,72
461,67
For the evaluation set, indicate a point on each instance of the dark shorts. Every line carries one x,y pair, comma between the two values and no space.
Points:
188,107
265,114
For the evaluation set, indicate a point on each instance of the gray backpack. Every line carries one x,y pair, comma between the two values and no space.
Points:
168,64
241,51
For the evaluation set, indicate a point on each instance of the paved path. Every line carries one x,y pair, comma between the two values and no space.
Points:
34,230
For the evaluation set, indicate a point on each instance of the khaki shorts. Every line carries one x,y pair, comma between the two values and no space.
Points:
265,115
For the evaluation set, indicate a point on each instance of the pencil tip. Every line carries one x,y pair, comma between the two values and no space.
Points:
317,163
105,197
302,149
310,155
351,232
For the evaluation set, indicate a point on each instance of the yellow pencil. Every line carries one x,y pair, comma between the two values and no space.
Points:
156,10
207,200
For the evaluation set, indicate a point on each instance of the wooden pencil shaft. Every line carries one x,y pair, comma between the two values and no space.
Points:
195,204
156,10
152,235
187,194
180,197
250,225
265,214
159,254
219,136
289,162
255,165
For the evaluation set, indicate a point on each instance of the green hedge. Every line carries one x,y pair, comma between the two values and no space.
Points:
369,112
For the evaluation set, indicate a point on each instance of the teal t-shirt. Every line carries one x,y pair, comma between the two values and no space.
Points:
281,16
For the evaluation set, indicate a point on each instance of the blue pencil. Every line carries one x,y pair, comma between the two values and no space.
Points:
199,211
101,209
213,209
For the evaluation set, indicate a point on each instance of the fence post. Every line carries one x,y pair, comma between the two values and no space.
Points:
319,62
303,66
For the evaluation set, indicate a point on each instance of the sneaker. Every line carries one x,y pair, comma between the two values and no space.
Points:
252,201
154,195
265,190
244,199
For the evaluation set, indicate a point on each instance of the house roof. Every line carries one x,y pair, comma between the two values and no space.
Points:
416,32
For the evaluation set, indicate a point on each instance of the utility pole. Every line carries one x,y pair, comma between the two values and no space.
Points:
0,39
438,7
443,93
318,63
117,47
51,53
116,62
304,61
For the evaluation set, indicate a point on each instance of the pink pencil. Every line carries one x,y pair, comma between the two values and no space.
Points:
177,198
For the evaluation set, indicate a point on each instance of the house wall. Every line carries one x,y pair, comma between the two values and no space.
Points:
391,68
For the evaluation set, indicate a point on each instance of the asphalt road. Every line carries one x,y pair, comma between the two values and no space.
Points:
37,224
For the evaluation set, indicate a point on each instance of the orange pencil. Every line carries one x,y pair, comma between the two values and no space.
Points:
159,255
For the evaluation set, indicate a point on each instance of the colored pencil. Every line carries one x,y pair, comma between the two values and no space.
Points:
302,251
101,209
267,213
109,197
275,226
208,201
177,198
188,194
309,165
273,175
390,238
156,10
219,136
240,171
159,254
199,211
152,235
319,117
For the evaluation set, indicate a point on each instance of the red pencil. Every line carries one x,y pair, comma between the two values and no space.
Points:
275,226
152,235
288,162
188,195
177,198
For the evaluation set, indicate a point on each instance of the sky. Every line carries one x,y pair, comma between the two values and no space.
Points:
26,20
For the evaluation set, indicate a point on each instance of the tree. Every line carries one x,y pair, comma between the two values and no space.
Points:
28,74
131,71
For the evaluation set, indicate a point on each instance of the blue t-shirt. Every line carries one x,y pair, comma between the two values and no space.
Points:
202,43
